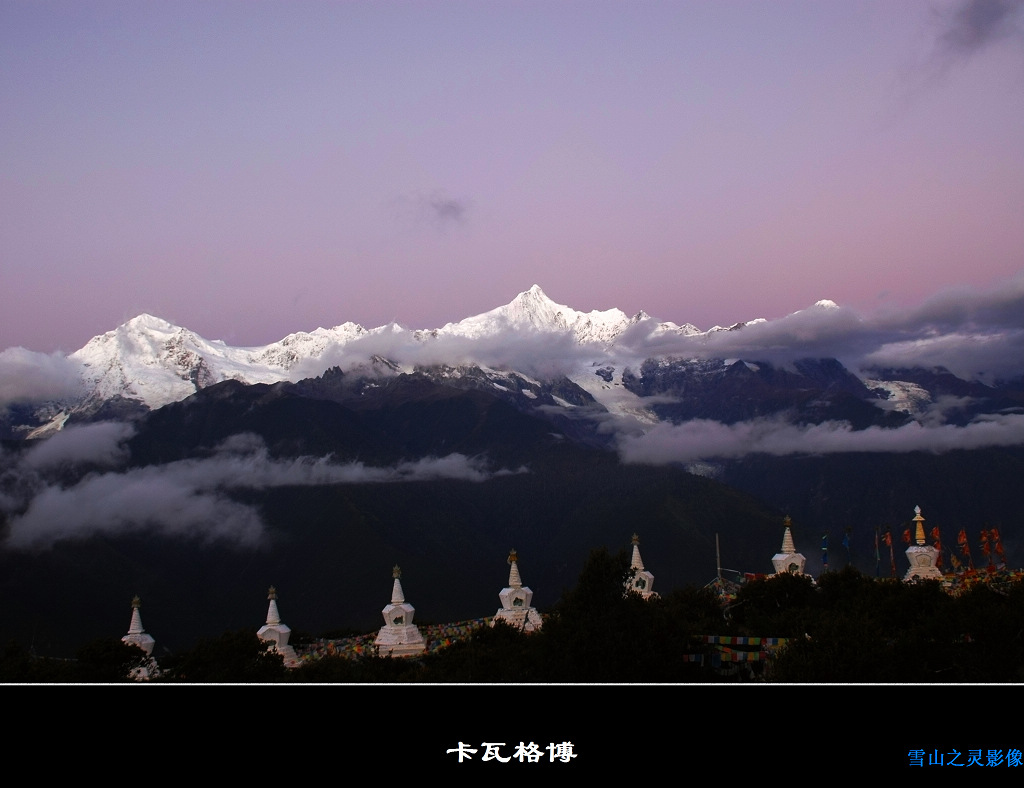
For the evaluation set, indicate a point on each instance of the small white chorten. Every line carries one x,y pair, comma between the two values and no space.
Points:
922,557
137,636
277,634
515,599
788,561
399,637
640,581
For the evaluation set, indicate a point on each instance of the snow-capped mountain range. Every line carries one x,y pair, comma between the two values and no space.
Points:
156,362
634,366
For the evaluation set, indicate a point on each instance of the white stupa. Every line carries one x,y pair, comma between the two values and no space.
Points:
640,581
277,633
399,637
515,599
137,636
922,557
788,560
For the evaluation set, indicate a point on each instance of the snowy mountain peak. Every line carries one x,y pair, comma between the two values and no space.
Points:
532,307
532,310
826,304
155,361
144,335
148,322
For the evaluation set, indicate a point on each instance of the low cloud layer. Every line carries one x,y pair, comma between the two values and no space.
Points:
976,334
26,376
189,498
701,439
535,353
100,445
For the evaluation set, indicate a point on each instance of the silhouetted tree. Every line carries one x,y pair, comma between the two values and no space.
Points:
500,653
597,633
108,660
367,669
234,657
19,666
774,606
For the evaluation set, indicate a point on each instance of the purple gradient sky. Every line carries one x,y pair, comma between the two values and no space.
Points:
249,169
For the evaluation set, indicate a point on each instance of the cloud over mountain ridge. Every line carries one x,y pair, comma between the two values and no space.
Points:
974,334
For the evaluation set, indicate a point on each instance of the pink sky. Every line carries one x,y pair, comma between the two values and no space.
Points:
250,169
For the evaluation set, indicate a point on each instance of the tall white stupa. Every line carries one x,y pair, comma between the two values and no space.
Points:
137,636
640,581
277,633
399,637
515,609
923,558
788,560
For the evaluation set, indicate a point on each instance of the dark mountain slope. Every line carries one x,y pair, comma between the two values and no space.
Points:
815,390
402,418
331,549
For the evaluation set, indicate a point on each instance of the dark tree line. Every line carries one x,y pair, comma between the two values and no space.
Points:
594,634
854,628
847,627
